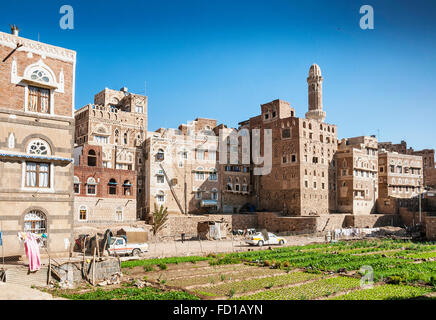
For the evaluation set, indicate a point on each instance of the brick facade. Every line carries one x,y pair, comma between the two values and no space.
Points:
357,173
303,176
36,142
181,168
114,199
428,159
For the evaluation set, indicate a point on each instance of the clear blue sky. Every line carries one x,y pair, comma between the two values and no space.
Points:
222,59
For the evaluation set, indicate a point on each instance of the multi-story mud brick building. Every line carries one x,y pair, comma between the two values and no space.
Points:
103,196
182,169
428,163
36,142
235,174
400,175
303,176
357,172
109,174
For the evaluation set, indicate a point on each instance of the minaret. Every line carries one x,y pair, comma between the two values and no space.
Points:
314,82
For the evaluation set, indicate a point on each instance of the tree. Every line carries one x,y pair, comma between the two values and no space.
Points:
160,217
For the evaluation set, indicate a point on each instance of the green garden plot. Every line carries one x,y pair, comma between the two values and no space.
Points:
386,292
189,274
216,277
232,288
307,291
131,294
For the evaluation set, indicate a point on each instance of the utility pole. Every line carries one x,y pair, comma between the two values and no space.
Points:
419,201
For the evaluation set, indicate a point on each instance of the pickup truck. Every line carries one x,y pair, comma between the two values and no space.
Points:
120,246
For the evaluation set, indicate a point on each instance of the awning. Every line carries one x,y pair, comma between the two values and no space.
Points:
127,184
209,203
34,157
113,183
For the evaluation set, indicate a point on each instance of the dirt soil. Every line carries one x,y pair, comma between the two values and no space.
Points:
10,291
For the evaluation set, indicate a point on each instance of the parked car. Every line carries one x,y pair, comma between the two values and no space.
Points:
259,240
120,246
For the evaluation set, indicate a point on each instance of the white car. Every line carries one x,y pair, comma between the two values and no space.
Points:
258,239
119,246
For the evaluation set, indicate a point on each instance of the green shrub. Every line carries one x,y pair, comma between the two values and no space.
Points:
148,268
162,266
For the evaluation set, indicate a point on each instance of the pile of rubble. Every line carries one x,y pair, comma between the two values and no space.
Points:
114,279
391,232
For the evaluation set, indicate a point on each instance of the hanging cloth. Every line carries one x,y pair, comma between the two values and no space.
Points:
32,252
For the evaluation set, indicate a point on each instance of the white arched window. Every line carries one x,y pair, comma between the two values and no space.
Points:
214,194
35,222
198,194
119,216
76,185
213,175
40,76
160,156
199,174
37,174
91,186
160,197
38,147
83,213
40,84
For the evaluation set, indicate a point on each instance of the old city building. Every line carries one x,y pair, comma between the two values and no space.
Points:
400,175
428,156
357,167
234,173
116,125
303,176
36,142
103,196
121,171
181,168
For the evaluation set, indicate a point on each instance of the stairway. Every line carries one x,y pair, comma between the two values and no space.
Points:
20,275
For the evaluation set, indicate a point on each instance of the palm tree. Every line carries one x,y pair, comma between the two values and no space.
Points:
160,217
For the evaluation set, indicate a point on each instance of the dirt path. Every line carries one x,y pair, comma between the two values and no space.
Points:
195,247
10,291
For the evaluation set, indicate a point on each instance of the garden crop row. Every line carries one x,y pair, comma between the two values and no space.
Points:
385,292
256,284
131,294
307,291
188,274
251,272
155,262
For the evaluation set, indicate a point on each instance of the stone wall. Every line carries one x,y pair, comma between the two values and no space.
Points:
104,269
372,221
296,225
330,222
274,222
178,224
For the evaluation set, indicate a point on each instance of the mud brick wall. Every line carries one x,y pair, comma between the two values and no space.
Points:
178,224
386,206
291,225
408,218
431,227
331,222
373,220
